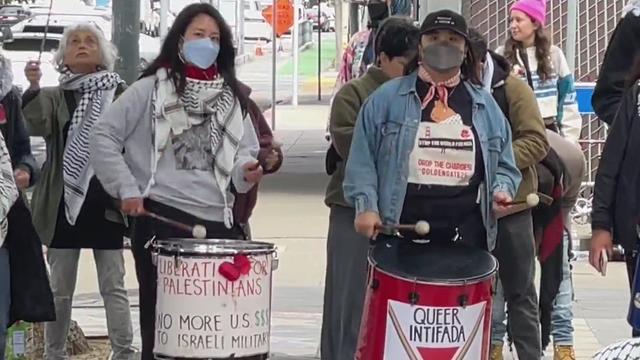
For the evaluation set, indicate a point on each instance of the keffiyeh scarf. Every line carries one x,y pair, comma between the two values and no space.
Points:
97,91
8,189
202,100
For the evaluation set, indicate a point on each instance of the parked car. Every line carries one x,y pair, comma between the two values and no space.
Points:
327,21
13,14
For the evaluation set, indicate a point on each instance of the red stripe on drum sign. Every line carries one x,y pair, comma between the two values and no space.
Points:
437,353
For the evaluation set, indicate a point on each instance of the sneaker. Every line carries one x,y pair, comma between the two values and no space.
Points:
496,352
564,352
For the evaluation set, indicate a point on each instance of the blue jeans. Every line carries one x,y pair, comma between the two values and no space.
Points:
5,298
562,314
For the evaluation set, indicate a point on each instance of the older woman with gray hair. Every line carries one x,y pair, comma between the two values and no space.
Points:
71,210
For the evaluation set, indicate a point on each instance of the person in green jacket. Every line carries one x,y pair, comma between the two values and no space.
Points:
515,247
396,47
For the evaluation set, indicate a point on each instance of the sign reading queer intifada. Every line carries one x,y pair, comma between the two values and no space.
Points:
201,314
423,332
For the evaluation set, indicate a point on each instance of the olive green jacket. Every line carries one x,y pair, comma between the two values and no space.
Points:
344,113
46,115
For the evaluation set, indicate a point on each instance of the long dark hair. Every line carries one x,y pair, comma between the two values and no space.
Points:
170,52
542,44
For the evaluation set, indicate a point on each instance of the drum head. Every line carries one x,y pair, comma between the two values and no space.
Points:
186,246
439,264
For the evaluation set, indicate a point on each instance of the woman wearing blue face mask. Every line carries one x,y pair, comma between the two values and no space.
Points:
202,144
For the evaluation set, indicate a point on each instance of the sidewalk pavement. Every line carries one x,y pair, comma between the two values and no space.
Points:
291,214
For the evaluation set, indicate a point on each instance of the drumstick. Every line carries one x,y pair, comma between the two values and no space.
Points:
403,339
462,352
198,231
532,200
421,227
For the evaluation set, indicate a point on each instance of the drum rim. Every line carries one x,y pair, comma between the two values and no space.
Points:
426,281
221,247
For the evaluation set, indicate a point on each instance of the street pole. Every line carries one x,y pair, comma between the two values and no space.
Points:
240,27
164,10
126,37
296,50
572,29
319,52
273,64
354,20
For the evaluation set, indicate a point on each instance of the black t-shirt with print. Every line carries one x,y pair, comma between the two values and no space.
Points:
447,206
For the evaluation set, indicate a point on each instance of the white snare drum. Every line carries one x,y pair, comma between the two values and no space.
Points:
201,312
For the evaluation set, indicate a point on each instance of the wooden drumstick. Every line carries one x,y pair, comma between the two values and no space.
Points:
198,231
532,201
421,227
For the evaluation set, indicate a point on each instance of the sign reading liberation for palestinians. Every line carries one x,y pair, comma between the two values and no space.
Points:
425,333
201,314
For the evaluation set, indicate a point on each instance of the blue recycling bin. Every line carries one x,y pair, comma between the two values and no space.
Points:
584,92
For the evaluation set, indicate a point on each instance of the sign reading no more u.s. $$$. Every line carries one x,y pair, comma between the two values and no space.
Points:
201,314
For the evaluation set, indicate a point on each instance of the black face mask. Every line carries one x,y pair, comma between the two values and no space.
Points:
378,11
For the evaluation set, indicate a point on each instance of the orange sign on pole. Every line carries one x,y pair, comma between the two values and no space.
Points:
284,16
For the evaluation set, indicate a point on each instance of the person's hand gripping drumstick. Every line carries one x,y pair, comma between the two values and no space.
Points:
135,207
368,224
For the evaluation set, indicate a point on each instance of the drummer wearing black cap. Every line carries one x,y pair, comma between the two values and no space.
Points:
433,146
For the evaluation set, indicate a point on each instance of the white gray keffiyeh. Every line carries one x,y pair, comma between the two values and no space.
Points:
6,77
8,190
202,100
97,91
632,6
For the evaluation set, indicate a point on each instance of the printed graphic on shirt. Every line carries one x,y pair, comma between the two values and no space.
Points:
192,148
443,154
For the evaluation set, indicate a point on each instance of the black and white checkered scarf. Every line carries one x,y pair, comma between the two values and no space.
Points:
97,91
202,100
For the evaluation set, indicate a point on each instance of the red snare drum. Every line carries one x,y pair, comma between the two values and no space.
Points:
427,302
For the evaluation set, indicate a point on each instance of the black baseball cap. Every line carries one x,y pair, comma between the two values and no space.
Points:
445,20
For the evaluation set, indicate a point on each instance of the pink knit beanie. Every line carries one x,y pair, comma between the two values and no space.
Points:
536,9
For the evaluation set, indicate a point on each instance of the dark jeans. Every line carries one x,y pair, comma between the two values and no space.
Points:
631,270
145,229
515,251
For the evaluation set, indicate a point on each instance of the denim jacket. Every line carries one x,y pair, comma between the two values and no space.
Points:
377,168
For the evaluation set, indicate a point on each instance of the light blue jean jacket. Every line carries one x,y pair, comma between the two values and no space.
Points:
385,133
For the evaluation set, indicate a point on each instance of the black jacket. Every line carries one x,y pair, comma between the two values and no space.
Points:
16,136
623,48
615,199
31,296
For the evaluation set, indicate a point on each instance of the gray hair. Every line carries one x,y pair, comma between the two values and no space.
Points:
108,52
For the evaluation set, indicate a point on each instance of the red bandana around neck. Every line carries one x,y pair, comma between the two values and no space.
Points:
441,88
194,72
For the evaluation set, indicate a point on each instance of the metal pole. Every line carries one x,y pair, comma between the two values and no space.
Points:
354,21
273,65
572,28
296,50
240,25
126,36
164,10
319,52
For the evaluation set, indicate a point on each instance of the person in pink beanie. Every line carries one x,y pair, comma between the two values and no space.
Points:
535,9
543,66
